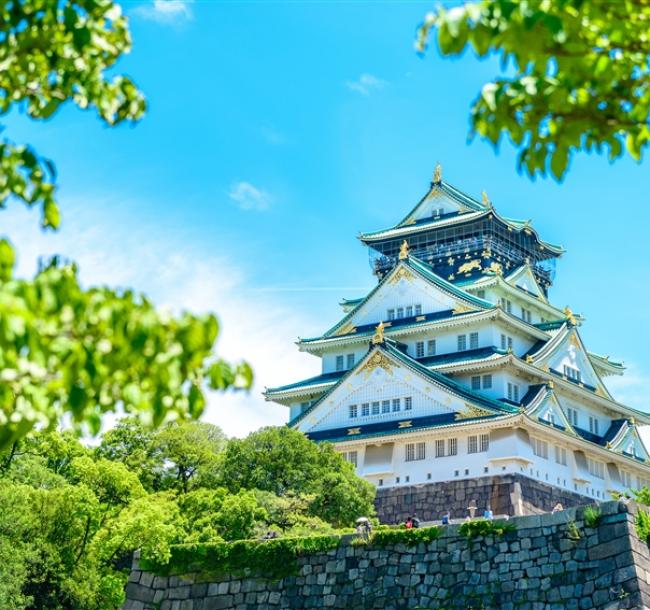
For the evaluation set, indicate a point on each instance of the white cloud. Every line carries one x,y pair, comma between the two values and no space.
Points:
166,11
176,274
365,84
272,135
249,197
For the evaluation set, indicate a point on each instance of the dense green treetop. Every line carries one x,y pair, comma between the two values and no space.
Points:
575,75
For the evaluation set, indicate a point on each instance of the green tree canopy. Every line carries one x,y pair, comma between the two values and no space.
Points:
284,461
575,75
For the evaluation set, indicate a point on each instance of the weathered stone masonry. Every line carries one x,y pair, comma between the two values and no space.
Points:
551,562
510,494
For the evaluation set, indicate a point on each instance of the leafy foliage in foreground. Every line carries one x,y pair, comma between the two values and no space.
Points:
71,517
409,537
575,75
65,349
484,527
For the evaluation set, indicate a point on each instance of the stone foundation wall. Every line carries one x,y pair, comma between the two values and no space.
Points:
551,562
511,494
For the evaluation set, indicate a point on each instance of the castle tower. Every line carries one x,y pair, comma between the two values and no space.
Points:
457,381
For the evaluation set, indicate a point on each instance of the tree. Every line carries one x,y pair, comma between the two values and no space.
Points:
284,461
64,349
575,75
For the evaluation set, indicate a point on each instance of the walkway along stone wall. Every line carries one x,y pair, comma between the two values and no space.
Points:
551,562
511,494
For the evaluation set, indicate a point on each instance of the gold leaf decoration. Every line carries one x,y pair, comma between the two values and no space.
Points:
377,360
353,431
401,274
470,412
405,424
468,267
462,309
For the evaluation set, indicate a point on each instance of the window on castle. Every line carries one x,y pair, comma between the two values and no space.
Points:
597,469
400,312
462,343
352,458
365,409
353,411
452,446
418,310
431,347
391,314
487,382
540,448
572,416
415,451
396,405
408,403
572,373
380,482
385,406
484,443
350,361
513,392
375,408
506,304
626,479
419,349
526,315
473,341
472,444
506,342
560,455
409,311
440,448
476,382
593,424
339,363
420,451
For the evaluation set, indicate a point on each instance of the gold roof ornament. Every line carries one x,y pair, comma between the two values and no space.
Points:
632,421
570,316
486,199
378,337
530,359
437,174
550,385
404,251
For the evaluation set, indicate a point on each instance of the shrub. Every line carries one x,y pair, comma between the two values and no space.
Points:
643,525
592,516
483,527
410,537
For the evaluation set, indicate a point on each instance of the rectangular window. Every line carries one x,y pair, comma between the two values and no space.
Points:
396,405
400,312
440,448
571,373
487,382
409,311
391,314
419,349
626,479
418,310
452,446
365,409
572,416
420,451
560,455
350,361
375,408
410,452
476,382
513,392
431,347
485,443
506,304
526,315
353,411
540,448
408,403
473,341
339,363
352,458
596,469
385,406
593,424
472,444
462,343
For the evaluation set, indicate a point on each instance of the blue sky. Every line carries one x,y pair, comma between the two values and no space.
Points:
276,132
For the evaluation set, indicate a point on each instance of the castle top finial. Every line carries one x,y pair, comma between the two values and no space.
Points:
404,250
378,337
437,174
486,199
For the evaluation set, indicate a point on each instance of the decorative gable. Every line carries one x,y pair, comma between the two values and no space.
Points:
546,408
525,279
436,203
628,442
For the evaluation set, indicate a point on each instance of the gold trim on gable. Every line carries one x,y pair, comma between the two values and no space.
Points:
471,412
405,424
462,309
377,360
352,431
402,274
346,329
